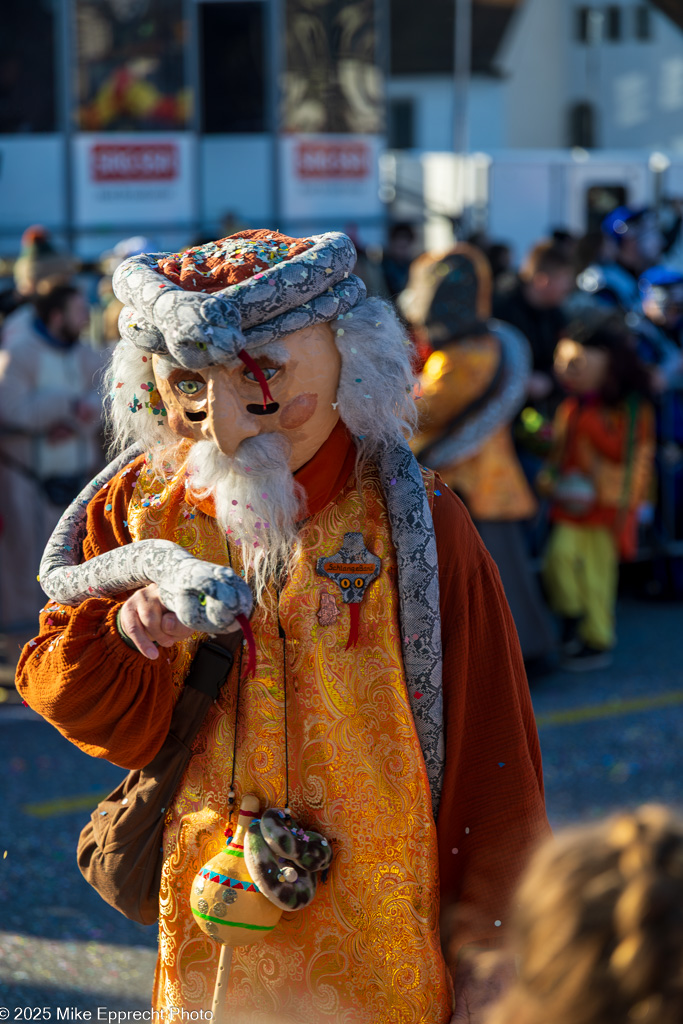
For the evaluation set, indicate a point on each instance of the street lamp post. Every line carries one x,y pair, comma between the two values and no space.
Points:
462,65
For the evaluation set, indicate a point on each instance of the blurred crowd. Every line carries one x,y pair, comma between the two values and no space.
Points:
551,403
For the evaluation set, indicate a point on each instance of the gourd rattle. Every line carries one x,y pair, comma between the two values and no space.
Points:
268,865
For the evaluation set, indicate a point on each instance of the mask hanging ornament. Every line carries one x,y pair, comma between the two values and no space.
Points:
269,864
353,568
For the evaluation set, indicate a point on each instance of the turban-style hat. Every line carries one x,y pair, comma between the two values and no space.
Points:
224,300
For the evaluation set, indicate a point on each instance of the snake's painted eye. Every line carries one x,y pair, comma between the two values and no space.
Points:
190,387
345,584
202,599
358,582
267,371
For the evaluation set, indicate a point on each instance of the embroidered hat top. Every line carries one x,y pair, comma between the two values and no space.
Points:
216,265
221,300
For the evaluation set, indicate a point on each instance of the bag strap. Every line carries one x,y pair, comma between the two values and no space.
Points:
210,668
209,671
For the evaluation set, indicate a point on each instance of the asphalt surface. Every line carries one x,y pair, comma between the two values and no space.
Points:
610,739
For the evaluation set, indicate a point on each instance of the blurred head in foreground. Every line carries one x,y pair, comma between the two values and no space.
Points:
598,930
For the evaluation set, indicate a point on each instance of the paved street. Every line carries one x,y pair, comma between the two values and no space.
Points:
609,739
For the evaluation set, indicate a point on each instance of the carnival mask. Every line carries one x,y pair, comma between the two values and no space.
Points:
225,404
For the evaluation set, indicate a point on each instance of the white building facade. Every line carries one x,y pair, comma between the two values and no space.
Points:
597,75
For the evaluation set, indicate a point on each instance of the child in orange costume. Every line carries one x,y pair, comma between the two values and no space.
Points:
598,931
601,476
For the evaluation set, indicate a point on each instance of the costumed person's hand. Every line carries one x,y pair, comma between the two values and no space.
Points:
147,622
479,983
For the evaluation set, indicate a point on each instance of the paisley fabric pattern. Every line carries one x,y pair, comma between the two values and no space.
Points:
413,535
203,595
367,948
200,329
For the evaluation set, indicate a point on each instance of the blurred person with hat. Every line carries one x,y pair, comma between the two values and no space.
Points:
662,297
50,416
632,243
471,388
38,267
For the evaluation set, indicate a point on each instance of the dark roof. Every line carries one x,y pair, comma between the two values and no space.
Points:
422,35
672,8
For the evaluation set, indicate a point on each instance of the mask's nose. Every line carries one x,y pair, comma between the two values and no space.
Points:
227,423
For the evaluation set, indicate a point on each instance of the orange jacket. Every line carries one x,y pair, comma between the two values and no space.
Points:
594,439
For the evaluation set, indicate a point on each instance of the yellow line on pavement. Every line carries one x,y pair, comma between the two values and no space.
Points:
611,709
65,805
571,716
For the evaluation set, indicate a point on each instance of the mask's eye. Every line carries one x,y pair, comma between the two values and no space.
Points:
267,371
190,387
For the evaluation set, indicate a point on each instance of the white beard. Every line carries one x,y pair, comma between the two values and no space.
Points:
257,501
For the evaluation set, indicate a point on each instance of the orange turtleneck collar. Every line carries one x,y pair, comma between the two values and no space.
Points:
322,477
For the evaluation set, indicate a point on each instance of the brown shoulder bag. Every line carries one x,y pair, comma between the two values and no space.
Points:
120,851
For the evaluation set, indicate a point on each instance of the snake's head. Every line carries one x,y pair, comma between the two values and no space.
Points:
207,597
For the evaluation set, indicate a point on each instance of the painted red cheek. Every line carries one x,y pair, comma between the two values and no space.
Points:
178,423
298,411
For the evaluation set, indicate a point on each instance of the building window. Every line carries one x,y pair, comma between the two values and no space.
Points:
582,23
131,66
401,124
643,18
613,23
232,61
582,125
333,79
27,68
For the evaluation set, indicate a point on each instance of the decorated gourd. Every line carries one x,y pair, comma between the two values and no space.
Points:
269,865
226,902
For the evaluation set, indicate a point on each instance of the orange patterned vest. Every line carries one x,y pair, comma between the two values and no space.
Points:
366,950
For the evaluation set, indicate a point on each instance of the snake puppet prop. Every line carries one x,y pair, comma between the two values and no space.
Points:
284,860
207,597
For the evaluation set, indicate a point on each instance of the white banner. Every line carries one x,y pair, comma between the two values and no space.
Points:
140,178
333,176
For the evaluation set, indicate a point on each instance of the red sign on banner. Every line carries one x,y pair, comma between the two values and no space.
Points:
158,161
349,160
